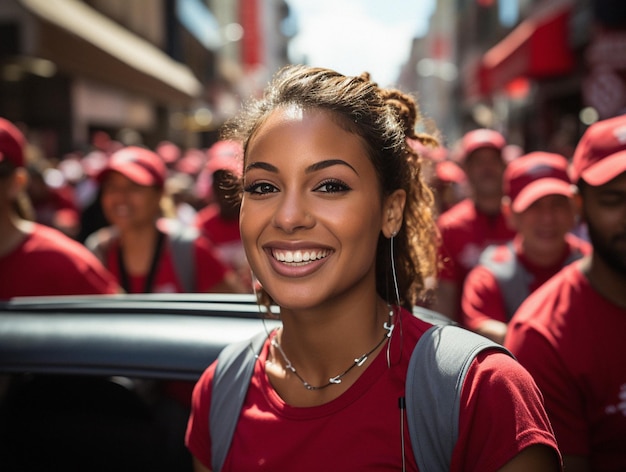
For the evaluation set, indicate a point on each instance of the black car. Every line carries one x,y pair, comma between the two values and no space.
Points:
104,382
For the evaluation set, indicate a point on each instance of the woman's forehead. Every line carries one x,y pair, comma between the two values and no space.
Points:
302,140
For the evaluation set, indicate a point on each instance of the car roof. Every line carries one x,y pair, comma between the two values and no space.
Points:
152,336
168,336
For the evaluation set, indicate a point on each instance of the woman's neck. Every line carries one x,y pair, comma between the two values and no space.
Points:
136,238
137,246
325,345
327,337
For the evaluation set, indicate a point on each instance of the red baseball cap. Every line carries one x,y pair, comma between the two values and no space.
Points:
225,155
168,151
191,162
12,143
138,164
601,152
536,175
448,171
481,138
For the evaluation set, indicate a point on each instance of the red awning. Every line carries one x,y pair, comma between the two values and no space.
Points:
537,48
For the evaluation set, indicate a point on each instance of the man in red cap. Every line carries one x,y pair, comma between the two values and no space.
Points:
36,259
474,223
145,254
539,203
570,333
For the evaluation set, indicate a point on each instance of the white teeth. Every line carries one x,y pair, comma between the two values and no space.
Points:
299,256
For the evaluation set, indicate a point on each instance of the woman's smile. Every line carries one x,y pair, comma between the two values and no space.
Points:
297,263
300,257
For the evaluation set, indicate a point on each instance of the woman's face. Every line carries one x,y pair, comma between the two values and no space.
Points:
311,212
128,205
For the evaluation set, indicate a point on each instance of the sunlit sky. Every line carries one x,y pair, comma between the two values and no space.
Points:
353,36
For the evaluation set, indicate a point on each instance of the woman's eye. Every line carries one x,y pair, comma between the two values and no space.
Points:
260,188
332,186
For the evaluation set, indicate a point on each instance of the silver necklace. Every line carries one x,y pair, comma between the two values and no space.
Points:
358,362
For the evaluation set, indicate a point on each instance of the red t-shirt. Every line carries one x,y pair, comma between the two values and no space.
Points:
49,263
209,269
571,339
482,298
465,232
224,235
360,430
216,228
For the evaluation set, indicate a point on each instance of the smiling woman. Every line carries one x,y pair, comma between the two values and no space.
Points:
337,224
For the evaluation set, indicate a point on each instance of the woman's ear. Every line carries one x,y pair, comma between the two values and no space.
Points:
393,213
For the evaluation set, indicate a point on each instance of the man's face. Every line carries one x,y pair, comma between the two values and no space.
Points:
484,168
604,210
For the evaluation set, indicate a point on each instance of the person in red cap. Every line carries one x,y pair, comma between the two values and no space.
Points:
219,220
539,203
474,223
443,174
37,259
569,333
169,152
448,184
145,255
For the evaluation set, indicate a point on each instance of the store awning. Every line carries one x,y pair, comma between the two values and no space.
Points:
82,41
537,48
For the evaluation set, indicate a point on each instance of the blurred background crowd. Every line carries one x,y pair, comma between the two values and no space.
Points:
86,80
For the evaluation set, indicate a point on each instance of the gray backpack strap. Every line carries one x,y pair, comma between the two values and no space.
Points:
181,243
434,383
513,279
235,365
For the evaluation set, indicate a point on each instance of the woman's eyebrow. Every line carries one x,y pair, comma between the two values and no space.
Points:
312,168
328,163
262,165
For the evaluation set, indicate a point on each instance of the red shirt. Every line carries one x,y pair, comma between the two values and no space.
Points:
465,232
482,298
360,430
216,228
209,270
571,339
224,235
49,263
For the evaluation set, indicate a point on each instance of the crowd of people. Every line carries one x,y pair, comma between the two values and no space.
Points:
323,200
120,219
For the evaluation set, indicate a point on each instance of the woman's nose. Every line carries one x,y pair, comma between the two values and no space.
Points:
293,213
